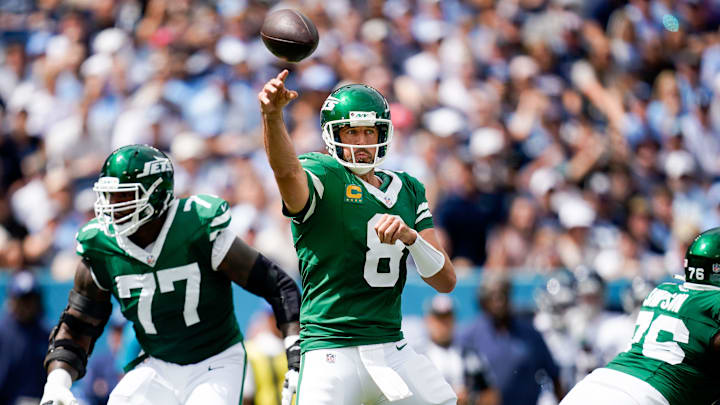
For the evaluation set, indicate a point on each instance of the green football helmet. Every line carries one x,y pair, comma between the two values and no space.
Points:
356,105
139,169
702,260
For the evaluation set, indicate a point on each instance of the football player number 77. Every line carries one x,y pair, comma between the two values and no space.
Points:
166,280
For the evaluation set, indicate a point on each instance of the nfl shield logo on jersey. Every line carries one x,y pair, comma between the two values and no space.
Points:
716,268
330,358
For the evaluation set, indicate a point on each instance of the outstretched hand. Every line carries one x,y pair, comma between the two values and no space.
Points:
274,96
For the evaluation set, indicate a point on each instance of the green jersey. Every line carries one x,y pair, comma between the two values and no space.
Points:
180,306
351,282
670,348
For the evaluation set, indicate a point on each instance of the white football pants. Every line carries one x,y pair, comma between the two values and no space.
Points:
217,380
607,386
389,373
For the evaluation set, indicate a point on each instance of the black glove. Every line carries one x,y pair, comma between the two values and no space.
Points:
292,375
293,356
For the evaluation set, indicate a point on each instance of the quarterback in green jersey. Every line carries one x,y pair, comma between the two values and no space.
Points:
672,358
354,227
169,263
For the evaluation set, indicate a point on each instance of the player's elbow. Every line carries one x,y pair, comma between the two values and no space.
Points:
445,289
453,283
446,283
449,286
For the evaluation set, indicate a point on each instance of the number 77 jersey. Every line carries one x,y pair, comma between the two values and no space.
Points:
671,346
180,306
351,282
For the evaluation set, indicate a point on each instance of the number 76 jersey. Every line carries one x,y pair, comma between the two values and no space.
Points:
351,282
671,346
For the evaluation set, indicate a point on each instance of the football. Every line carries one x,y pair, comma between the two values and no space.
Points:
289,35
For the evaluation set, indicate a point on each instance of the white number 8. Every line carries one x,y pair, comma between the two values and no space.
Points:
377,251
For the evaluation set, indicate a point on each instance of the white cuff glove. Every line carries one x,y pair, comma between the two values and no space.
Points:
290,386
57,389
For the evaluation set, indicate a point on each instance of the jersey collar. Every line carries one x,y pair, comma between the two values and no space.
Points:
390,196
700,287
142,255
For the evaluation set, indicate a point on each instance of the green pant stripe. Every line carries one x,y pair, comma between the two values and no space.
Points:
297,392
242,383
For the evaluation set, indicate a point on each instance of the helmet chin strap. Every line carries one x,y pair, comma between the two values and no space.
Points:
130,227
360,170
125,229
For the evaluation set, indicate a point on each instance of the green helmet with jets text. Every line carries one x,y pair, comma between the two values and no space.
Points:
356,105
702,260
135,186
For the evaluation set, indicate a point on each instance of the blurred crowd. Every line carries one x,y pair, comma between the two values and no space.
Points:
579,135
549,133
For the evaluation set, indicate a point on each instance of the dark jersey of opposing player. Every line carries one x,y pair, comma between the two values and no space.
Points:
351,282
670,348
180,306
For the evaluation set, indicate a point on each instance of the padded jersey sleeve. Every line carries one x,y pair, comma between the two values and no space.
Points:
87,247
423,216
316,173
714,310
215,217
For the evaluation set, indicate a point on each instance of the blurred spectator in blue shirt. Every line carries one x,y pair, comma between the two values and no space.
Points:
23,343
515,350
466,214
16,144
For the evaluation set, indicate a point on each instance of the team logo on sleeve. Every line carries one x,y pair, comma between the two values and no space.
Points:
716,268
353,193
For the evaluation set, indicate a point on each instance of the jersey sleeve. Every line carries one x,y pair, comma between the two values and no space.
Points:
215,217
85,247
423,216
316,173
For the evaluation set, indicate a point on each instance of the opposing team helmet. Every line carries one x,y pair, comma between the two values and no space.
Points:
702,260
139,169
356,105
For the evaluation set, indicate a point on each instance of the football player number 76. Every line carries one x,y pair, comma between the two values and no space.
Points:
166,280
668,351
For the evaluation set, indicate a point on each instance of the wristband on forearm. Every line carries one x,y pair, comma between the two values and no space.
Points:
428,260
